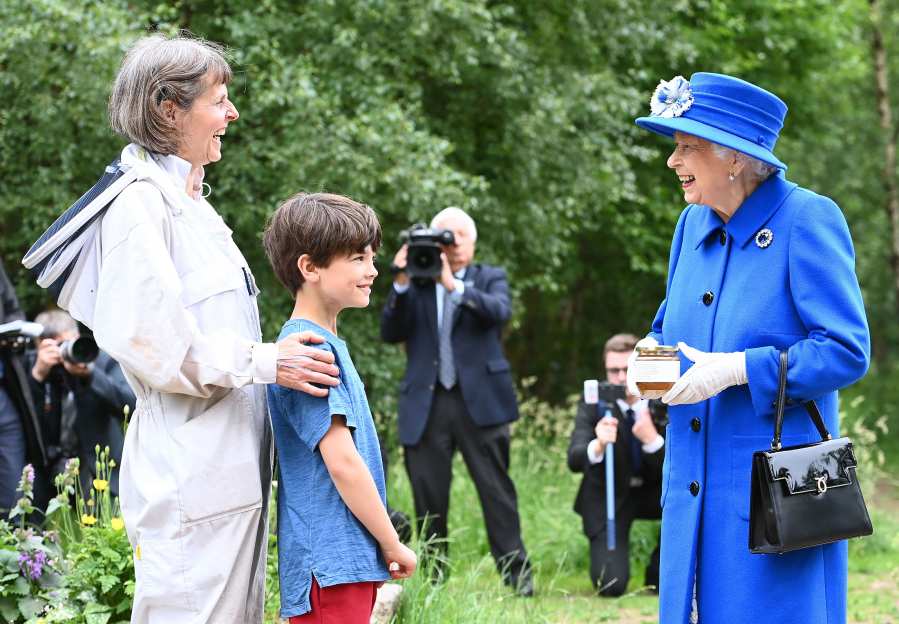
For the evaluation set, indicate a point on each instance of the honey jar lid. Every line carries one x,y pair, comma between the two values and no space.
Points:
659,350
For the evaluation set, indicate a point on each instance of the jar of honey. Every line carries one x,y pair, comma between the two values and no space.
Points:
657,368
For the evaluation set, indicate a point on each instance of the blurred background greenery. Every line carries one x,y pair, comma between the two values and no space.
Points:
520,112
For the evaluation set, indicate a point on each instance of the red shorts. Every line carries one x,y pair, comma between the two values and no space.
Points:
348,603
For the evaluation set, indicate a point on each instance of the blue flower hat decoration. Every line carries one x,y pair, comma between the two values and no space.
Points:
672,98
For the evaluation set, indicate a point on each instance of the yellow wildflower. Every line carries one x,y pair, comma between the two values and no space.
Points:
137,553
88,520
100,484
117,523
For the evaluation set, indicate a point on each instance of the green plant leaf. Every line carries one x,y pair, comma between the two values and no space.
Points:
30,606
95,607
52,507
20,587
107,582
97,618
8,609
110,554
50,580
9,559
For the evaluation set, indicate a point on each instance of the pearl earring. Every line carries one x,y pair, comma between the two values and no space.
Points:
730,177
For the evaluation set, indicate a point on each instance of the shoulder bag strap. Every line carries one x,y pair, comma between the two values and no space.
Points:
780,404
815,415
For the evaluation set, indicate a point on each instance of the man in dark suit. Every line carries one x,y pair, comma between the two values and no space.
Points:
639,453
457,391
21,441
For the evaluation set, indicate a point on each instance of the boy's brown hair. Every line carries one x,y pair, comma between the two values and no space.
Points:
320,225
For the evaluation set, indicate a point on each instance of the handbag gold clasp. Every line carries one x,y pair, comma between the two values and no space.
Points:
822,484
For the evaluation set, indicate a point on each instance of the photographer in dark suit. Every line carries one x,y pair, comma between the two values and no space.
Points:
81,402
20,434
639,452
457,391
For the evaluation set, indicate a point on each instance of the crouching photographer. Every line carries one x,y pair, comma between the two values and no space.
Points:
80,393
634,426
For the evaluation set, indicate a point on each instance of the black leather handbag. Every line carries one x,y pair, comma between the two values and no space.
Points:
804,495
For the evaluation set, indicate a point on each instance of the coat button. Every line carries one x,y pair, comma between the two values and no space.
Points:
431,387
694,488
695,424
708,297
722,238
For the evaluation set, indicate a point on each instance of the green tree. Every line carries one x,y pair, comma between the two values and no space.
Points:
520,112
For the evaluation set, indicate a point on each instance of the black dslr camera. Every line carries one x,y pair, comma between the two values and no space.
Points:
80,350
16,336
423,256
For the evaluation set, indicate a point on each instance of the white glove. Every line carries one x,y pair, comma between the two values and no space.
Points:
710,374
649,341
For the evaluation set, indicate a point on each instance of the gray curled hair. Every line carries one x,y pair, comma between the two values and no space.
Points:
159,68
756,169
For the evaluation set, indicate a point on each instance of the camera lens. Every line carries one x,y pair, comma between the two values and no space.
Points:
423,260
81,350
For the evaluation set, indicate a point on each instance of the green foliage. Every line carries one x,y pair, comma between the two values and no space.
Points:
80,572
522,113
101,576
31,569
541,423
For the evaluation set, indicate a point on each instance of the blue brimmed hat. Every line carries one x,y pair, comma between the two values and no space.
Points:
721,109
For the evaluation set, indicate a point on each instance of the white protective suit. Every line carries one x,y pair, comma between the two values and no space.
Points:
176,307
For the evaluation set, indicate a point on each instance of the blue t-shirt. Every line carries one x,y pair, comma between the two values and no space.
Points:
317,533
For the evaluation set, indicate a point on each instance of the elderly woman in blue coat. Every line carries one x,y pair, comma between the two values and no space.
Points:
758,265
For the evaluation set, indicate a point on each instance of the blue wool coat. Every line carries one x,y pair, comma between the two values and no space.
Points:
728,293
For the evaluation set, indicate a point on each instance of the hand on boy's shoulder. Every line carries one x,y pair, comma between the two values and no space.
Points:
306,367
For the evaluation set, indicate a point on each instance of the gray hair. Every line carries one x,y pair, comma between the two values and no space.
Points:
155,69
56,322
453,211
758,170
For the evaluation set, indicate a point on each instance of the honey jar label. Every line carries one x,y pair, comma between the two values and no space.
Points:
657,370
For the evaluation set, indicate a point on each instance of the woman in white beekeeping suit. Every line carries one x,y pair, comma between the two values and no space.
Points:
176,306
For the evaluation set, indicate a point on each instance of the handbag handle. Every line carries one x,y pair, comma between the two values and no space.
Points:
781,402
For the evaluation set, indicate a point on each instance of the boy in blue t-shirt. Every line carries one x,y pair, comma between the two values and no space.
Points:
336,543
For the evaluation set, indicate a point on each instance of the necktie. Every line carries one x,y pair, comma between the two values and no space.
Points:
636,447
446,373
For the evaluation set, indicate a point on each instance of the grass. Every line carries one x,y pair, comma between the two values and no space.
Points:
474,593
552,533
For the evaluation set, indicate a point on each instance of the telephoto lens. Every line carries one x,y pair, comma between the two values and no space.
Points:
81,350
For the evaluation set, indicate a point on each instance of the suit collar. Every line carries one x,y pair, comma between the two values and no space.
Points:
753,213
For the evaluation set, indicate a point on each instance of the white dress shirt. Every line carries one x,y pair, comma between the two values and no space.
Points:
438,292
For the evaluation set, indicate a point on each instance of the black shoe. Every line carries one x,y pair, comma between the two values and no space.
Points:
522,583
401,524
